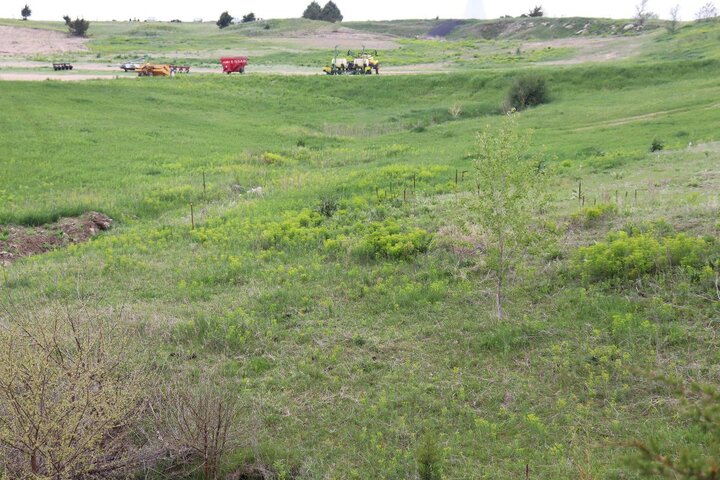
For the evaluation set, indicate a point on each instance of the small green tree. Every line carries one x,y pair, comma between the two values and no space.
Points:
77,27
250,17
509,191
25,12
331,13
224,20
313,11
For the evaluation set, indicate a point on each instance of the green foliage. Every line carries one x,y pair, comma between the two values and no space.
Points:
526,91
697,459
657,145
509,190
225,20
250,17
77,27
331,13
297,229
589,216
627,256
313,11
327,206
26,12
429,458
391,240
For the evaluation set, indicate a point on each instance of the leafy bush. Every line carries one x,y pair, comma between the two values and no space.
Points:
589,216
271,158
526,91
657,145
301,228
628,256
390,240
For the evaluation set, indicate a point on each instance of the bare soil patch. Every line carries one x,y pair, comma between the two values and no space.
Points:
35,41
344,38
18,241
601,49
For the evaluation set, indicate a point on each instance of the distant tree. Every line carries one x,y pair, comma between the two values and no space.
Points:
224,20
674,19
77,27
313,11
706,12
331,13
642,14
25,12
509,188
250,17
536,12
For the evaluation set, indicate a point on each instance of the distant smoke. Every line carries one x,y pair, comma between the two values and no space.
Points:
474,9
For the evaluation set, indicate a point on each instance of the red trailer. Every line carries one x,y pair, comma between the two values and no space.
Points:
234,64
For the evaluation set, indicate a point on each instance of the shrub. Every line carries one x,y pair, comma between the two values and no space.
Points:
270,158
390,240
589,216
526,91
627,256
327,206
72,392
657,145
198,418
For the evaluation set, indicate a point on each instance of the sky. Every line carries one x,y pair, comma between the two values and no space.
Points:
351,9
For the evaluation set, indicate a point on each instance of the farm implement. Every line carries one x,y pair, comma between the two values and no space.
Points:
62,66
234,64
155,70
358,64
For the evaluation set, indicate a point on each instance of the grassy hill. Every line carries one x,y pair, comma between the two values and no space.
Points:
452,43
348,306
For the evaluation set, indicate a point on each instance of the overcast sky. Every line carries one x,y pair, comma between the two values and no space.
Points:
351,9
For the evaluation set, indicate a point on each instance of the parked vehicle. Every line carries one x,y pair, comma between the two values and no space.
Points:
62,66
234,64
132,65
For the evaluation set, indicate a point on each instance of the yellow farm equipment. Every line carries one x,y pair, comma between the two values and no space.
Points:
153,70
358,64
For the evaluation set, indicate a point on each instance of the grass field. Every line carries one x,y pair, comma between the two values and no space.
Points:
349,359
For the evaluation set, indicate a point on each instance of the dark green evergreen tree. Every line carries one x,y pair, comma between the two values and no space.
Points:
224,20
313,11
331,13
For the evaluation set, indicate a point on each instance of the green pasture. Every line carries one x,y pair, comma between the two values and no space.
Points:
348,354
